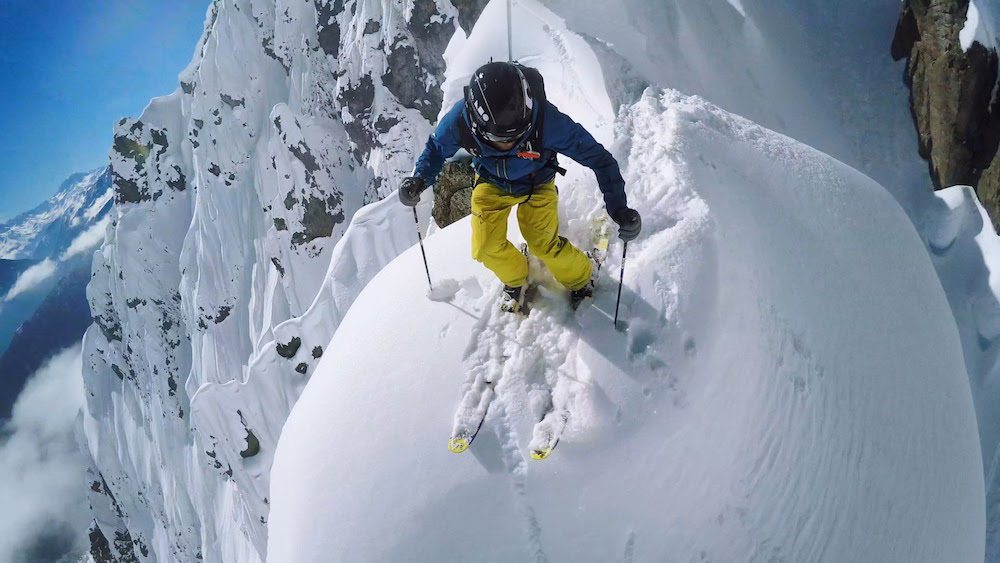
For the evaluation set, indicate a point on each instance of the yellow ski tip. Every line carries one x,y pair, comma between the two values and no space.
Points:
458,445
540,454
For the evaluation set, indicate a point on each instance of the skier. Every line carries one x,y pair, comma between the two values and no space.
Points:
514,134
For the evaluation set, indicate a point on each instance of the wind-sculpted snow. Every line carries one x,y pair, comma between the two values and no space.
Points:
812,69
966,251
239,244
232,195
791,385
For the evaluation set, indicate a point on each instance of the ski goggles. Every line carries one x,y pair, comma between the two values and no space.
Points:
507,137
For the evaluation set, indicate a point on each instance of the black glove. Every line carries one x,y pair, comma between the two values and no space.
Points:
410,189
629,223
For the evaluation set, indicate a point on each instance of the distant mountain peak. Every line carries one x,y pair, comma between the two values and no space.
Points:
48,230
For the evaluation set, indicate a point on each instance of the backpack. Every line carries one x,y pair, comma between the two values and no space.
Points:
534,148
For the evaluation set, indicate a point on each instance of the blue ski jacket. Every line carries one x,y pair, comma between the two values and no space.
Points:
517,175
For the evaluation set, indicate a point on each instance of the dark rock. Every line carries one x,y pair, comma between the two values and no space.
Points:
318,352
278,266
372,26
233,102
112,330
159,138
289,350
267,43
453,192
951,98
179,182
124,547
223,314
319,218
404,78
302,368
328,30
384,123
358,98
414,70
100,549
253,446
469,12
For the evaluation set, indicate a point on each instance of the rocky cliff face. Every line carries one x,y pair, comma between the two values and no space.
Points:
231,195
953,97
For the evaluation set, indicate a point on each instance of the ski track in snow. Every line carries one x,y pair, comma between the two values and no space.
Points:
537,352
493,344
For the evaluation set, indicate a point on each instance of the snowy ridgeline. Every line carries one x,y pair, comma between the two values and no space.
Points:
791,384
66,225
966,252
240,242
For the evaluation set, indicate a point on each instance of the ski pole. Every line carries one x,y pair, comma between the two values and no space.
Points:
421,239
621,281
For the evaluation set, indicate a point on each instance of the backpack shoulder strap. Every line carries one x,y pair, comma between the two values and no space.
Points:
536,144
466,139
536,89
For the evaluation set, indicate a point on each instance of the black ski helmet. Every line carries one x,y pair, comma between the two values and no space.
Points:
499,102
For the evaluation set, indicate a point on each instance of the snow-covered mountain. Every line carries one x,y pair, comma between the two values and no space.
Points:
44,271
51,228
247,222
230,196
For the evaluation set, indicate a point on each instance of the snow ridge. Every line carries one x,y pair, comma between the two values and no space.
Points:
762,261
690,427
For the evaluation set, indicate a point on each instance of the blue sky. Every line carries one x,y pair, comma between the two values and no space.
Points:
69,69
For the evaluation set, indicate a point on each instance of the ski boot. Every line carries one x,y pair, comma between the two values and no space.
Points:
512,299
577,296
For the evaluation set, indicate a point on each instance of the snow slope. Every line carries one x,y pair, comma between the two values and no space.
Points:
815,70
791,384
966,251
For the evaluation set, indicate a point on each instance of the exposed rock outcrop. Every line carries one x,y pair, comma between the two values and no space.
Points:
951,97
453,192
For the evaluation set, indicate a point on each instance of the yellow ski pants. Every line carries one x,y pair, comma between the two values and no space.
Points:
538,218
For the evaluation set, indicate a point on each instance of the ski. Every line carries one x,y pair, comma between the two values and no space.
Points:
601,240
598,254
547,434
476,403
461,440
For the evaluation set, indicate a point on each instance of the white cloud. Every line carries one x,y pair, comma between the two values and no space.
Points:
42,467
87,240
31,278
